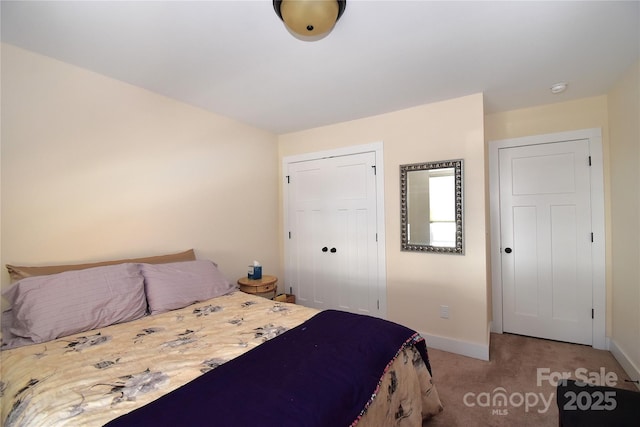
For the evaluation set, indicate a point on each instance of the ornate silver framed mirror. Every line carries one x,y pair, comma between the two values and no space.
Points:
431,207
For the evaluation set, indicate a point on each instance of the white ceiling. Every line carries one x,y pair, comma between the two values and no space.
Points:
235,58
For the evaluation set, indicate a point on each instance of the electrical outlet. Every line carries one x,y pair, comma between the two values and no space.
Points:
444,311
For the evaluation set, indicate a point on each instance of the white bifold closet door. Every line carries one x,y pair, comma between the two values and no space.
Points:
332,233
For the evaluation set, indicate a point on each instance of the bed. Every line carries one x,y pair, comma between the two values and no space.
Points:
201,352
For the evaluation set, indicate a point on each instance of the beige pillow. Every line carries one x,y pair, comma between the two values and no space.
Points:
20,272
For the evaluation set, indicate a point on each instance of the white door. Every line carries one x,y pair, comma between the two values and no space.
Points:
546,237
332,233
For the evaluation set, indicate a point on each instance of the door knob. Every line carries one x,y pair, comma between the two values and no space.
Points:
325,249
333,250
508,250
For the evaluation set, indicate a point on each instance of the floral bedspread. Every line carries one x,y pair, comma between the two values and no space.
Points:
91,378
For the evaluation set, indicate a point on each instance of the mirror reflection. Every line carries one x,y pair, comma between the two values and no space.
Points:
431,207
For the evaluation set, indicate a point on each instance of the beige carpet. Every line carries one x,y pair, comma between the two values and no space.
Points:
470,389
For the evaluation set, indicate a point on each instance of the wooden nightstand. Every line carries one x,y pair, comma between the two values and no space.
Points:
265,287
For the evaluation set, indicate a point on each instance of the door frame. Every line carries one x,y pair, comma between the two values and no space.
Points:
594,136
375,147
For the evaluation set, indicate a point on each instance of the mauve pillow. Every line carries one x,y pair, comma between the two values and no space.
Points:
57,305
179,284
9,340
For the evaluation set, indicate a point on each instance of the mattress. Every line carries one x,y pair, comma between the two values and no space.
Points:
97,376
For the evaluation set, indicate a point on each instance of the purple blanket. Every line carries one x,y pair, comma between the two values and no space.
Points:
321,373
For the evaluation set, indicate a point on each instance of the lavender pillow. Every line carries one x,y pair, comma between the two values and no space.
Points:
9,340
179,284
57,305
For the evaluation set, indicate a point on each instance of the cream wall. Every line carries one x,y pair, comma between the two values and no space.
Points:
418,283
624,120
95,169
550,118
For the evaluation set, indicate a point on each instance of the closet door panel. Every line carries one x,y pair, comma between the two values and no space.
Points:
332,211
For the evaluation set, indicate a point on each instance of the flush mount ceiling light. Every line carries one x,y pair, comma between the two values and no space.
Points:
558,88
309,18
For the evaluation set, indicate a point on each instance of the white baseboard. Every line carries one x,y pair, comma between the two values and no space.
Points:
627,364
464,348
